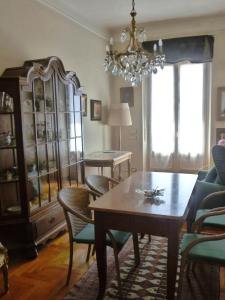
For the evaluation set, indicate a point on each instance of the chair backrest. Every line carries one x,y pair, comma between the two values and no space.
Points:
99,183
74,202
218,154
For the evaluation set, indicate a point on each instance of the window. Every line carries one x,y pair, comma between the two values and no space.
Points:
178,117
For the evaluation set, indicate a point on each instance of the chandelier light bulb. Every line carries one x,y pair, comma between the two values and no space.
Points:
133,63
111,41
107,48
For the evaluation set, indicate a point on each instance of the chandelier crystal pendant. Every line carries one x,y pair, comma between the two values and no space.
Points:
133,63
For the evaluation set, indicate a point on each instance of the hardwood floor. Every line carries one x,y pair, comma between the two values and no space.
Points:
44,277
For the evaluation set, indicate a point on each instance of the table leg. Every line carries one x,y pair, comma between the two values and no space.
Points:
119,172
100,236
129,166
112,171
172,261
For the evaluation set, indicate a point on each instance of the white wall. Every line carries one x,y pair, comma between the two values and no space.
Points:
30,30
169,29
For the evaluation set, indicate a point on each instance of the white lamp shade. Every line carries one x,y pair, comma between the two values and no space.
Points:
119,115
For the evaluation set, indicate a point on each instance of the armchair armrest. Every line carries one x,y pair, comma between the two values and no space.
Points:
196,226
201,239
213,200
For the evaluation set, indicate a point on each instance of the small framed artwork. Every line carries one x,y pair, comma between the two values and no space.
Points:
96,110
220,136
127,95
221,104
84,105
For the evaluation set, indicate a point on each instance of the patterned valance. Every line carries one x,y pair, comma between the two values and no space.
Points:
196,49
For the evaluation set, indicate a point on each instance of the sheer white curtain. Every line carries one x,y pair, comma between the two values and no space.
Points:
176,118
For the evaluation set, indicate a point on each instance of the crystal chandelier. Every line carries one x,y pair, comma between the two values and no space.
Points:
133,63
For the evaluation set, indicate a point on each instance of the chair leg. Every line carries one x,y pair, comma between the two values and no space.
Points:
115,250
136,249
5,277
93,250
88,252
70,264
180,282
117,270
143,234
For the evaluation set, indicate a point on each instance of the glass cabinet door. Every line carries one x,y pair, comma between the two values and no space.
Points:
9,183
39,107
70,136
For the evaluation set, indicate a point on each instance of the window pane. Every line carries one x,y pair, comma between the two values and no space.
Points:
162,115
191,110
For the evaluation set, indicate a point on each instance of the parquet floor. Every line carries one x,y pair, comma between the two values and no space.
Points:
44,277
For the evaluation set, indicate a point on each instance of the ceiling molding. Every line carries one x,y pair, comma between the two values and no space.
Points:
103,34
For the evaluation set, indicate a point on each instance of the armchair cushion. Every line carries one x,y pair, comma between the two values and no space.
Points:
218,154
210,250
211,175
214,221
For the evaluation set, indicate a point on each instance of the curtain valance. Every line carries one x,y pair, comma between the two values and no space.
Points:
196,49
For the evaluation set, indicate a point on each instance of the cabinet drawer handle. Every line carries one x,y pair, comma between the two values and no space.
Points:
52,220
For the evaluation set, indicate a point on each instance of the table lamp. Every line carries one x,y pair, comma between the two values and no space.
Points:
119,115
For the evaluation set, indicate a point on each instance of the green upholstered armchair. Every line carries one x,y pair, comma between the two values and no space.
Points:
210,186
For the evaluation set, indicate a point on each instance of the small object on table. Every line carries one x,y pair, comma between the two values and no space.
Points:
153,195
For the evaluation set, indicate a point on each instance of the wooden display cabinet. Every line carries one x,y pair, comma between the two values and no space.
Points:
41,150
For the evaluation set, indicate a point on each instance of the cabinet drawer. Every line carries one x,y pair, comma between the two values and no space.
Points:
50,220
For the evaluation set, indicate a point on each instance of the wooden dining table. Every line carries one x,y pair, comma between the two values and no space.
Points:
126,208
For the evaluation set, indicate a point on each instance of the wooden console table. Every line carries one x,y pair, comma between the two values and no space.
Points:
108,159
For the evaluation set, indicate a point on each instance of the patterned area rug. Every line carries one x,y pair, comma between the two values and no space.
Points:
148,281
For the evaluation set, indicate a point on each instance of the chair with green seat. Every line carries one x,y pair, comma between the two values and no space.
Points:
100,184
74,202
208,183
197,247
212,218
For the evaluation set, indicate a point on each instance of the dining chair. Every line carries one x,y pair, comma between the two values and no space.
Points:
74,202
4,267
100,184
198,247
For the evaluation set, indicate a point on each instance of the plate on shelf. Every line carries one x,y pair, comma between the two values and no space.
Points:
13,209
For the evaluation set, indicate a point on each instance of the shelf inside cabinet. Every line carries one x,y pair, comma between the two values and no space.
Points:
6,112
13,180
41,173
7,146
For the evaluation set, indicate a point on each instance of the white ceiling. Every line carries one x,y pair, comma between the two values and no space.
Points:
102,16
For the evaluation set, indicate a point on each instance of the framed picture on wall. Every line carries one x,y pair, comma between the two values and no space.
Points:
221,104
220,136
84,104
96,110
